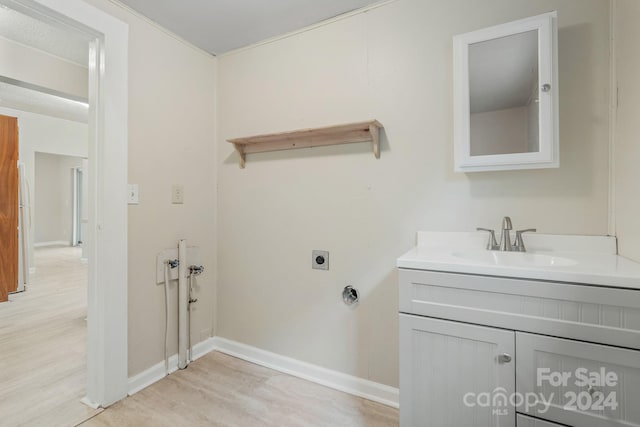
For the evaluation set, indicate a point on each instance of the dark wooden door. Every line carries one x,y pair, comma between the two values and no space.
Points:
8,206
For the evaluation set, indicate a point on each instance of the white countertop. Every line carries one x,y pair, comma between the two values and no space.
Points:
573,259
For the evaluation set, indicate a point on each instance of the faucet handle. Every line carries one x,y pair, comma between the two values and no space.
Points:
519,243
492,244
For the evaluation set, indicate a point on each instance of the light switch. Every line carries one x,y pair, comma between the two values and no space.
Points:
177,194
132,196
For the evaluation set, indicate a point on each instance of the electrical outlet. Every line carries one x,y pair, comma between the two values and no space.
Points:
132,196
320,260
177,194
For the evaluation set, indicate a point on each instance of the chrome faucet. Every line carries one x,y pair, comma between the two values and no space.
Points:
505,238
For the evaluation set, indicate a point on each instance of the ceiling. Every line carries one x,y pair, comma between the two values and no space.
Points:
218,26
29,31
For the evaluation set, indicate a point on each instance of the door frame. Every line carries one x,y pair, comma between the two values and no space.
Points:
107,350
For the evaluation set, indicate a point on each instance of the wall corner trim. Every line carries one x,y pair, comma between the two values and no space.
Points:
327,377
52,243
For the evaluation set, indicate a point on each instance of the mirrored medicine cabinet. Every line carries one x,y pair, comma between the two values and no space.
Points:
506,96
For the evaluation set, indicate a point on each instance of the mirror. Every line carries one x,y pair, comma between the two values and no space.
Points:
505,96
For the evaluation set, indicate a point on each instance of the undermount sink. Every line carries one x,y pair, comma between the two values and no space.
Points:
514,259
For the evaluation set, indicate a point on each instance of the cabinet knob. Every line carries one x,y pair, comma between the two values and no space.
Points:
504,358
592,390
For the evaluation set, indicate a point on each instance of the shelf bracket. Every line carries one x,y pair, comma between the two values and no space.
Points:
374,130
242,154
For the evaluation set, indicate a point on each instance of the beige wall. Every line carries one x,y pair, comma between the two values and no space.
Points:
393,64
627,131
171,141
53,194
27,64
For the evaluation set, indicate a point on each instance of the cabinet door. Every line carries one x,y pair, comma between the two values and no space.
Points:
585,385
455,374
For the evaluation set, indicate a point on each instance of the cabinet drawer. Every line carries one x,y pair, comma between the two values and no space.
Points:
582,312
524,421
560,372
446,367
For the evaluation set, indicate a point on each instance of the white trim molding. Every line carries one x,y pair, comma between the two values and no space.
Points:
327,377
152,375
613,112
157,372
52,243
308,28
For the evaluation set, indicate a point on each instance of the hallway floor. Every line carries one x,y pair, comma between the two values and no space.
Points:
43,344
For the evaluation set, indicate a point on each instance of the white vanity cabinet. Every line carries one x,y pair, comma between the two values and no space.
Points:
498,351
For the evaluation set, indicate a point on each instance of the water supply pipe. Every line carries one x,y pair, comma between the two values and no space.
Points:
168,265
194,270
183,304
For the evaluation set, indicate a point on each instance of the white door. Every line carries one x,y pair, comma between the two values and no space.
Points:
455,374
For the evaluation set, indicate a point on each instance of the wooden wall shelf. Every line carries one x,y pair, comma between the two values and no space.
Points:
306,138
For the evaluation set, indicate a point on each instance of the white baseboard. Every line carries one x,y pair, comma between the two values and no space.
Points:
52,243
327,377
157,371
337,380
93,405
204,347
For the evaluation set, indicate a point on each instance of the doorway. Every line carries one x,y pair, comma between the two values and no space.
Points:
43,330
106,231
59,199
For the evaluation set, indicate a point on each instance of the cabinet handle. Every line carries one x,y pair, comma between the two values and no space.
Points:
592,390
504,358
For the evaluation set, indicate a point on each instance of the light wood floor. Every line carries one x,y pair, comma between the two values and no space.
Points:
43,374
43,342
220,390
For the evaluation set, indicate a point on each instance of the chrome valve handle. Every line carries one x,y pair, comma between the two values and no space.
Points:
519,243
492,244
